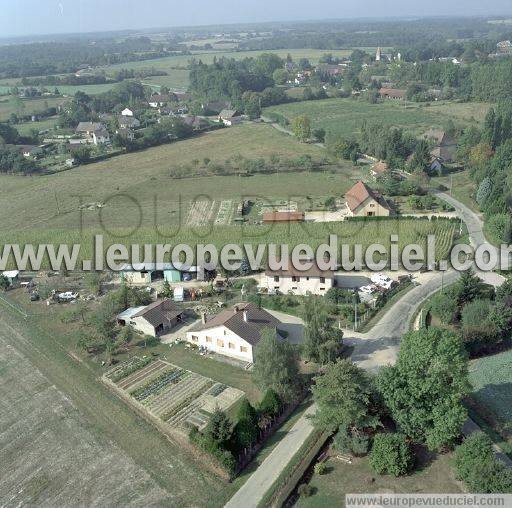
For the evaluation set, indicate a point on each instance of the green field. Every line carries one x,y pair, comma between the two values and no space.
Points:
9,105
491,378
25,128
144,204
145,176
345,116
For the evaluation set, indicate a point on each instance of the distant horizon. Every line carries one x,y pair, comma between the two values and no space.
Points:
53,18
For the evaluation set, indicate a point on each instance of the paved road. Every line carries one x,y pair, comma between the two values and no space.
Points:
371,350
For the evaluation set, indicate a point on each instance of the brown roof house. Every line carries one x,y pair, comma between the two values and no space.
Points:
299,282
392,93
365,202
158,100
233,332
154,319
445,146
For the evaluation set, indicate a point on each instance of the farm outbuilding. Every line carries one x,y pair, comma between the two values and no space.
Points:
153,319
146,273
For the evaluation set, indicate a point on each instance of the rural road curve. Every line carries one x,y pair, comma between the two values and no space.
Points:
371,350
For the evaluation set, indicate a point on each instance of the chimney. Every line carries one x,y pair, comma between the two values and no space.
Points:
246,318
203,318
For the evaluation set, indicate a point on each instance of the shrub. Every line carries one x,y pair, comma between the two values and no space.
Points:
444,306
477,466
320,468
391,454
475,313
271,403
305,490
348,441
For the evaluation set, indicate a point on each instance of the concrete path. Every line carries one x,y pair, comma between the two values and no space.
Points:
259,483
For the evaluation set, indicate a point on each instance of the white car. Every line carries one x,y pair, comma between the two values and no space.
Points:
382,280
67,296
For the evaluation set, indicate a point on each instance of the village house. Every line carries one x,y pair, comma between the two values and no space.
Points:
283,217
127,112
230,117
128,122
93,132
154,319
158,100
233,332
445,146
329,70
298,282
365,202
181,96
100,137
392,94
196,122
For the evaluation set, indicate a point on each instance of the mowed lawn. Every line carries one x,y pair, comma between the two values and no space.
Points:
434,475
491,378
52,201
461,186
345,116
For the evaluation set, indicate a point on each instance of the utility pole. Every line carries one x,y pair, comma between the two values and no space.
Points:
355,313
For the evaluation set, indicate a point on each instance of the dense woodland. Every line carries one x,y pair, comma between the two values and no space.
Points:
44,58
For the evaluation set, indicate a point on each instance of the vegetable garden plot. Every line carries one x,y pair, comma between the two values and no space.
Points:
176,397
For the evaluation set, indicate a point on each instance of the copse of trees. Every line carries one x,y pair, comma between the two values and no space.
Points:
487,153
425,389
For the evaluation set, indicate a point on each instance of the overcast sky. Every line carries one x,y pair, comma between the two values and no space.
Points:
27,17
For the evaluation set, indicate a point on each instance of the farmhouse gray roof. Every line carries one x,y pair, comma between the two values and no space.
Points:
233,319
228,113
89,127
159,312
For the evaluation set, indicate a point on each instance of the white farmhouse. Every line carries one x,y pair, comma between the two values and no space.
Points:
233,332
298,282
127,112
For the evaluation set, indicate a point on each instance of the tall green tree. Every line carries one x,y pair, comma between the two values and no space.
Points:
323,341
343,395
275,366
219,427
425,389
301,128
